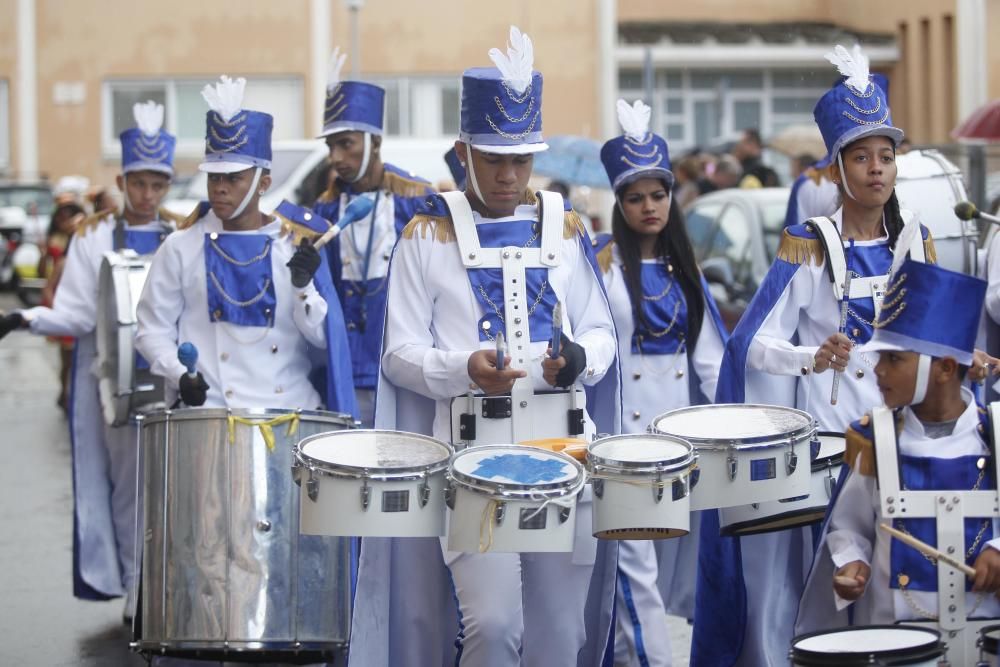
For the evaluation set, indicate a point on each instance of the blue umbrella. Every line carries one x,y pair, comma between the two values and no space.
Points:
572,160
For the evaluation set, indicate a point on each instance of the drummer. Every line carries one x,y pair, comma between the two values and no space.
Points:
670,342
104,461
232,283
789,345
359,259
442,328
924,339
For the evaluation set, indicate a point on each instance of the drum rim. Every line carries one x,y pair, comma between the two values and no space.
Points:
508,491
989,644
821,463
807,430
198,414
302,459
618,466
932,649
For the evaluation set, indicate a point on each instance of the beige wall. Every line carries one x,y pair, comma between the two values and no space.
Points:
8,63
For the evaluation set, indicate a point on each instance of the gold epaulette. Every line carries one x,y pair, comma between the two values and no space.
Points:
529,198
929,252
332,193
605,256
859,453
572,225
404,187
192,218
797,250
441,228
169,216
92,221
297,230
817,175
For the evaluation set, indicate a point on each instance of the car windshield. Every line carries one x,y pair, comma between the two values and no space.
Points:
34,201
283,163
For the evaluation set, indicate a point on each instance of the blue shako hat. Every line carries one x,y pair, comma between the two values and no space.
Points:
146,147
856,107
638,153
456,168
235,138
502,105
930,310
351,105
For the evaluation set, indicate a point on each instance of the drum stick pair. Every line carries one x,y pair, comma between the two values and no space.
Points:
929,551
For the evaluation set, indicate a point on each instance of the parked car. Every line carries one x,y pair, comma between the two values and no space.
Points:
25,209
735,234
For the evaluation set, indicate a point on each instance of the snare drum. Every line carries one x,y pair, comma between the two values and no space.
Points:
512,498
746,453
371,484
225,573
641,486
796,511
869,645
125,384
989,645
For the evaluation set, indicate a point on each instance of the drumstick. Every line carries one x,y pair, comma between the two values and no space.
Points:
929,551
844,302
845,581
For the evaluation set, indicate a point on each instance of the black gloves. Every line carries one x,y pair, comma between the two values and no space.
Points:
10,322
576,362
194,390
304,263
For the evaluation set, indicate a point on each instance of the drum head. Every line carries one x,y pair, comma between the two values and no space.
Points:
990,637
516,465
733,423
831,446
642,449
374,450
862,645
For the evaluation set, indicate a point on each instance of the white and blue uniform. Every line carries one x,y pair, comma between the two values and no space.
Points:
658,375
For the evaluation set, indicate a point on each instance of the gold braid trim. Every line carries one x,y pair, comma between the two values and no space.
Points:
605,256
191,219
572,225
796,250
92,221
170,216
441,228
297,230
404,187
929,250
859,454
529,198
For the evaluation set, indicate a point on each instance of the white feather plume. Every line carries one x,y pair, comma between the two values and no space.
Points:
148,117
226,97
634,119
517,65
852,65
334,68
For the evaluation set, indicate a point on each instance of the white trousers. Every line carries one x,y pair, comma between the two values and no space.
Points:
123,449
642,637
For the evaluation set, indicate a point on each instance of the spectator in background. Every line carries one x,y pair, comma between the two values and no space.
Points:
687,173
724,173
748,151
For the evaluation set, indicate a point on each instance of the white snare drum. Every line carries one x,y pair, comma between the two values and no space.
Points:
125,387
795,511
512,498
989,645
746,453
371,483
868,645
641,486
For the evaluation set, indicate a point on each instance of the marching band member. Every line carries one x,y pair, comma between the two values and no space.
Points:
359,258
232,283
924,337
104,457
785,344
446,309
670,341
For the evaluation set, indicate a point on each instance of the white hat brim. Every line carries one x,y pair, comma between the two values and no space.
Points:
518,149
222,167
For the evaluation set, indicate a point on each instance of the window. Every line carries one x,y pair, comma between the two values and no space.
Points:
4,124
424,107
185,109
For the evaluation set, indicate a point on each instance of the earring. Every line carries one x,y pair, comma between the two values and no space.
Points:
260,192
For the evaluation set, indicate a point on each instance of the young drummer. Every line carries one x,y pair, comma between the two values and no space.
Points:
924,338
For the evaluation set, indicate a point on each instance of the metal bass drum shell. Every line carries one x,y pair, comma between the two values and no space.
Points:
225,573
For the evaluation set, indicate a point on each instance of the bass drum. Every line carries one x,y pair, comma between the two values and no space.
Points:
928,184
225,573
125,384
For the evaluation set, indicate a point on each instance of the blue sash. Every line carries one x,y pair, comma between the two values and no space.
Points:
239,282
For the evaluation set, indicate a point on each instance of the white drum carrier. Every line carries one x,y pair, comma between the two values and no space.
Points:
371,483
746,453
872,645
641,486
124,389
512,498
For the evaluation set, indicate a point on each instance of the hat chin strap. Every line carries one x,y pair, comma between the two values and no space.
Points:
471,172
249,196
366,157
923,379
843,177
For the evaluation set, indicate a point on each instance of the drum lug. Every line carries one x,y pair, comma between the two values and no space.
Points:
791,459
831,483
658,488
297,473
312,486
598,485
693,479
680,489
499,512
366,494
731,460
423,493
449,496
564,513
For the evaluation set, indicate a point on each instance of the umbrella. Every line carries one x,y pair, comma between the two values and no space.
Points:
795,140
572,160
984,123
